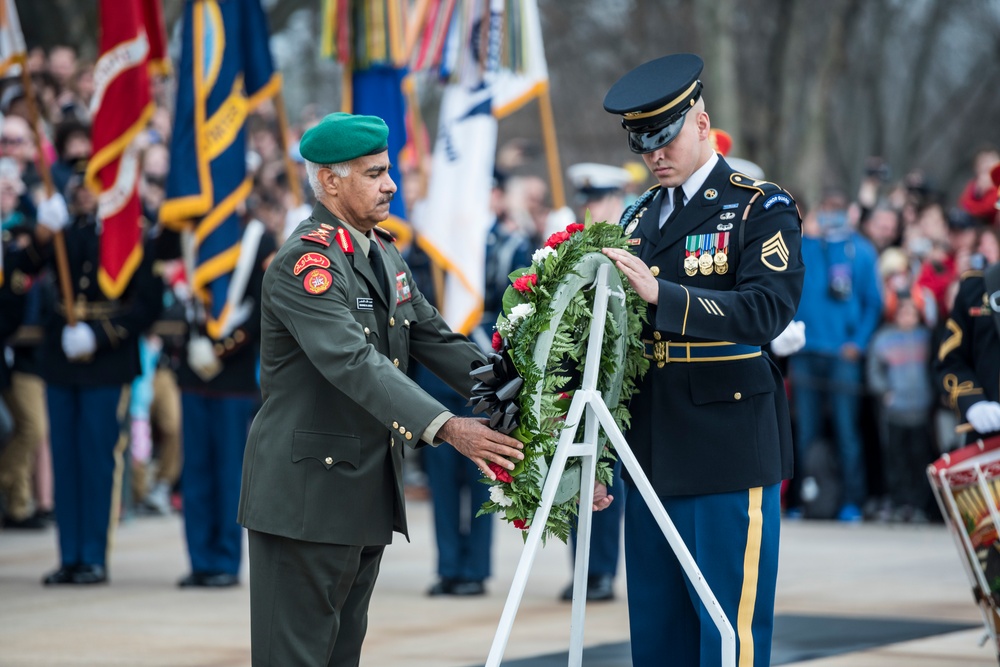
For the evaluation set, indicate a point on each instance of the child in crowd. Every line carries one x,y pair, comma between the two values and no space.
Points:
899,374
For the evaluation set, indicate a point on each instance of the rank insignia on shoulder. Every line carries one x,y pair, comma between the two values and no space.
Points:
774,253
344,241
318,235
317,281
385,233
311,259
777,199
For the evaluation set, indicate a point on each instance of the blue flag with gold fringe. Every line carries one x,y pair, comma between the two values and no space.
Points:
225,73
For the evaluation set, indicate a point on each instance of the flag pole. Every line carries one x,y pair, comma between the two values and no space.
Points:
293,174
551,148
58,241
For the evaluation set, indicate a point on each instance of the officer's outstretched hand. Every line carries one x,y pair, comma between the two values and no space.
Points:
984,416
633,268
602,499
478,442
53,214
78,341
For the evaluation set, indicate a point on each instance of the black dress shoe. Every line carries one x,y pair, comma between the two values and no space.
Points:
33,522
64,575
90,574
192,580
466,588
600,588
442,587
209,580
220,580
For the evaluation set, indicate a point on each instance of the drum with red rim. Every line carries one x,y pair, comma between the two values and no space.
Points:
966,484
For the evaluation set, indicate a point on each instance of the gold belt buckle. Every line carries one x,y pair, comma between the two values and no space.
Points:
660,353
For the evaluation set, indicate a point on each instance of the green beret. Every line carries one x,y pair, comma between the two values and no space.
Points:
341,137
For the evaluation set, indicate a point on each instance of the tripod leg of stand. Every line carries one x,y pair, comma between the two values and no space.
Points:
534,540
680,549
581,560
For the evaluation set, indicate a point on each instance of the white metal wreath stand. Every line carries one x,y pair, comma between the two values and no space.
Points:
588,399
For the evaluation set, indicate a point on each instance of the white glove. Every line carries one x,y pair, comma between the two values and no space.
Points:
984,416
52,213
791,340
78,341
201,358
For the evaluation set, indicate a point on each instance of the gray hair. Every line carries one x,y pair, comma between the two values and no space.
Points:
341,169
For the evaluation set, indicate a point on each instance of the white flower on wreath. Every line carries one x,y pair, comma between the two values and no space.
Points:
519,312
499,497
542,254
504,327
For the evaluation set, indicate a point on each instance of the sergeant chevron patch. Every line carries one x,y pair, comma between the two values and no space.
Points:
775,249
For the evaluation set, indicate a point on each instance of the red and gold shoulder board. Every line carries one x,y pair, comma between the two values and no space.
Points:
317,281
311,259
344,241
385,233
319,235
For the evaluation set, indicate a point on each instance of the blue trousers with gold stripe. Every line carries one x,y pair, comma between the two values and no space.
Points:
734,539
87,445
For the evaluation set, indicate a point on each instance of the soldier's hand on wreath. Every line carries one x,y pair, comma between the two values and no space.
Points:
602,499
481,444
638,274
984,416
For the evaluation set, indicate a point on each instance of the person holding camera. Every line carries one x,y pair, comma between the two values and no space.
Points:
841,306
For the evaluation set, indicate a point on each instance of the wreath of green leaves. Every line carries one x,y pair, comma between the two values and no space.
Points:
548,352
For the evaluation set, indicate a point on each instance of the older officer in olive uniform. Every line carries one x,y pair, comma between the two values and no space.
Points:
322,475
716,255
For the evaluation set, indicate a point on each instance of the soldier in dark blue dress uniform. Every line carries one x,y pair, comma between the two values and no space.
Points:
716,255
88,368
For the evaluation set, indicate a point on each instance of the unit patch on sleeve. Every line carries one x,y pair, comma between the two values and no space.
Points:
311,259
317,281
777,199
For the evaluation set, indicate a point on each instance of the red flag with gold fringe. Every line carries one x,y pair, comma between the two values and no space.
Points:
131,41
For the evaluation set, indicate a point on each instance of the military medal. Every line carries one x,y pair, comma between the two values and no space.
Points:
721,256
691,255
705,263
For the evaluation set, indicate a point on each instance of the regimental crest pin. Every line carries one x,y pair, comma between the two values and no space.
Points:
632,225
711,194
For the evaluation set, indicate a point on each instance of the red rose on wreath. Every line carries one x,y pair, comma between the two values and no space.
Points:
574,228
497,341
520,523
525,282
501,473
557,239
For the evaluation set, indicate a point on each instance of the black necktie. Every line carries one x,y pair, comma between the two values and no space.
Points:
678,205
378,266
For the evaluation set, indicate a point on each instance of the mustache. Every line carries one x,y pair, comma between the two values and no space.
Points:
386,199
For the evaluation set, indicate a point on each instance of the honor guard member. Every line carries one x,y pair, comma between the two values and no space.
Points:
219,395
967,365
323,471
716,255
88,368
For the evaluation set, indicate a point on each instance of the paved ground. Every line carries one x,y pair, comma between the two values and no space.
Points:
840,588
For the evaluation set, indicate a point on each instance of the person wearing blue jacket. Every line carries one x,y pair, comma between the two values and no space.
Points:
841,307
